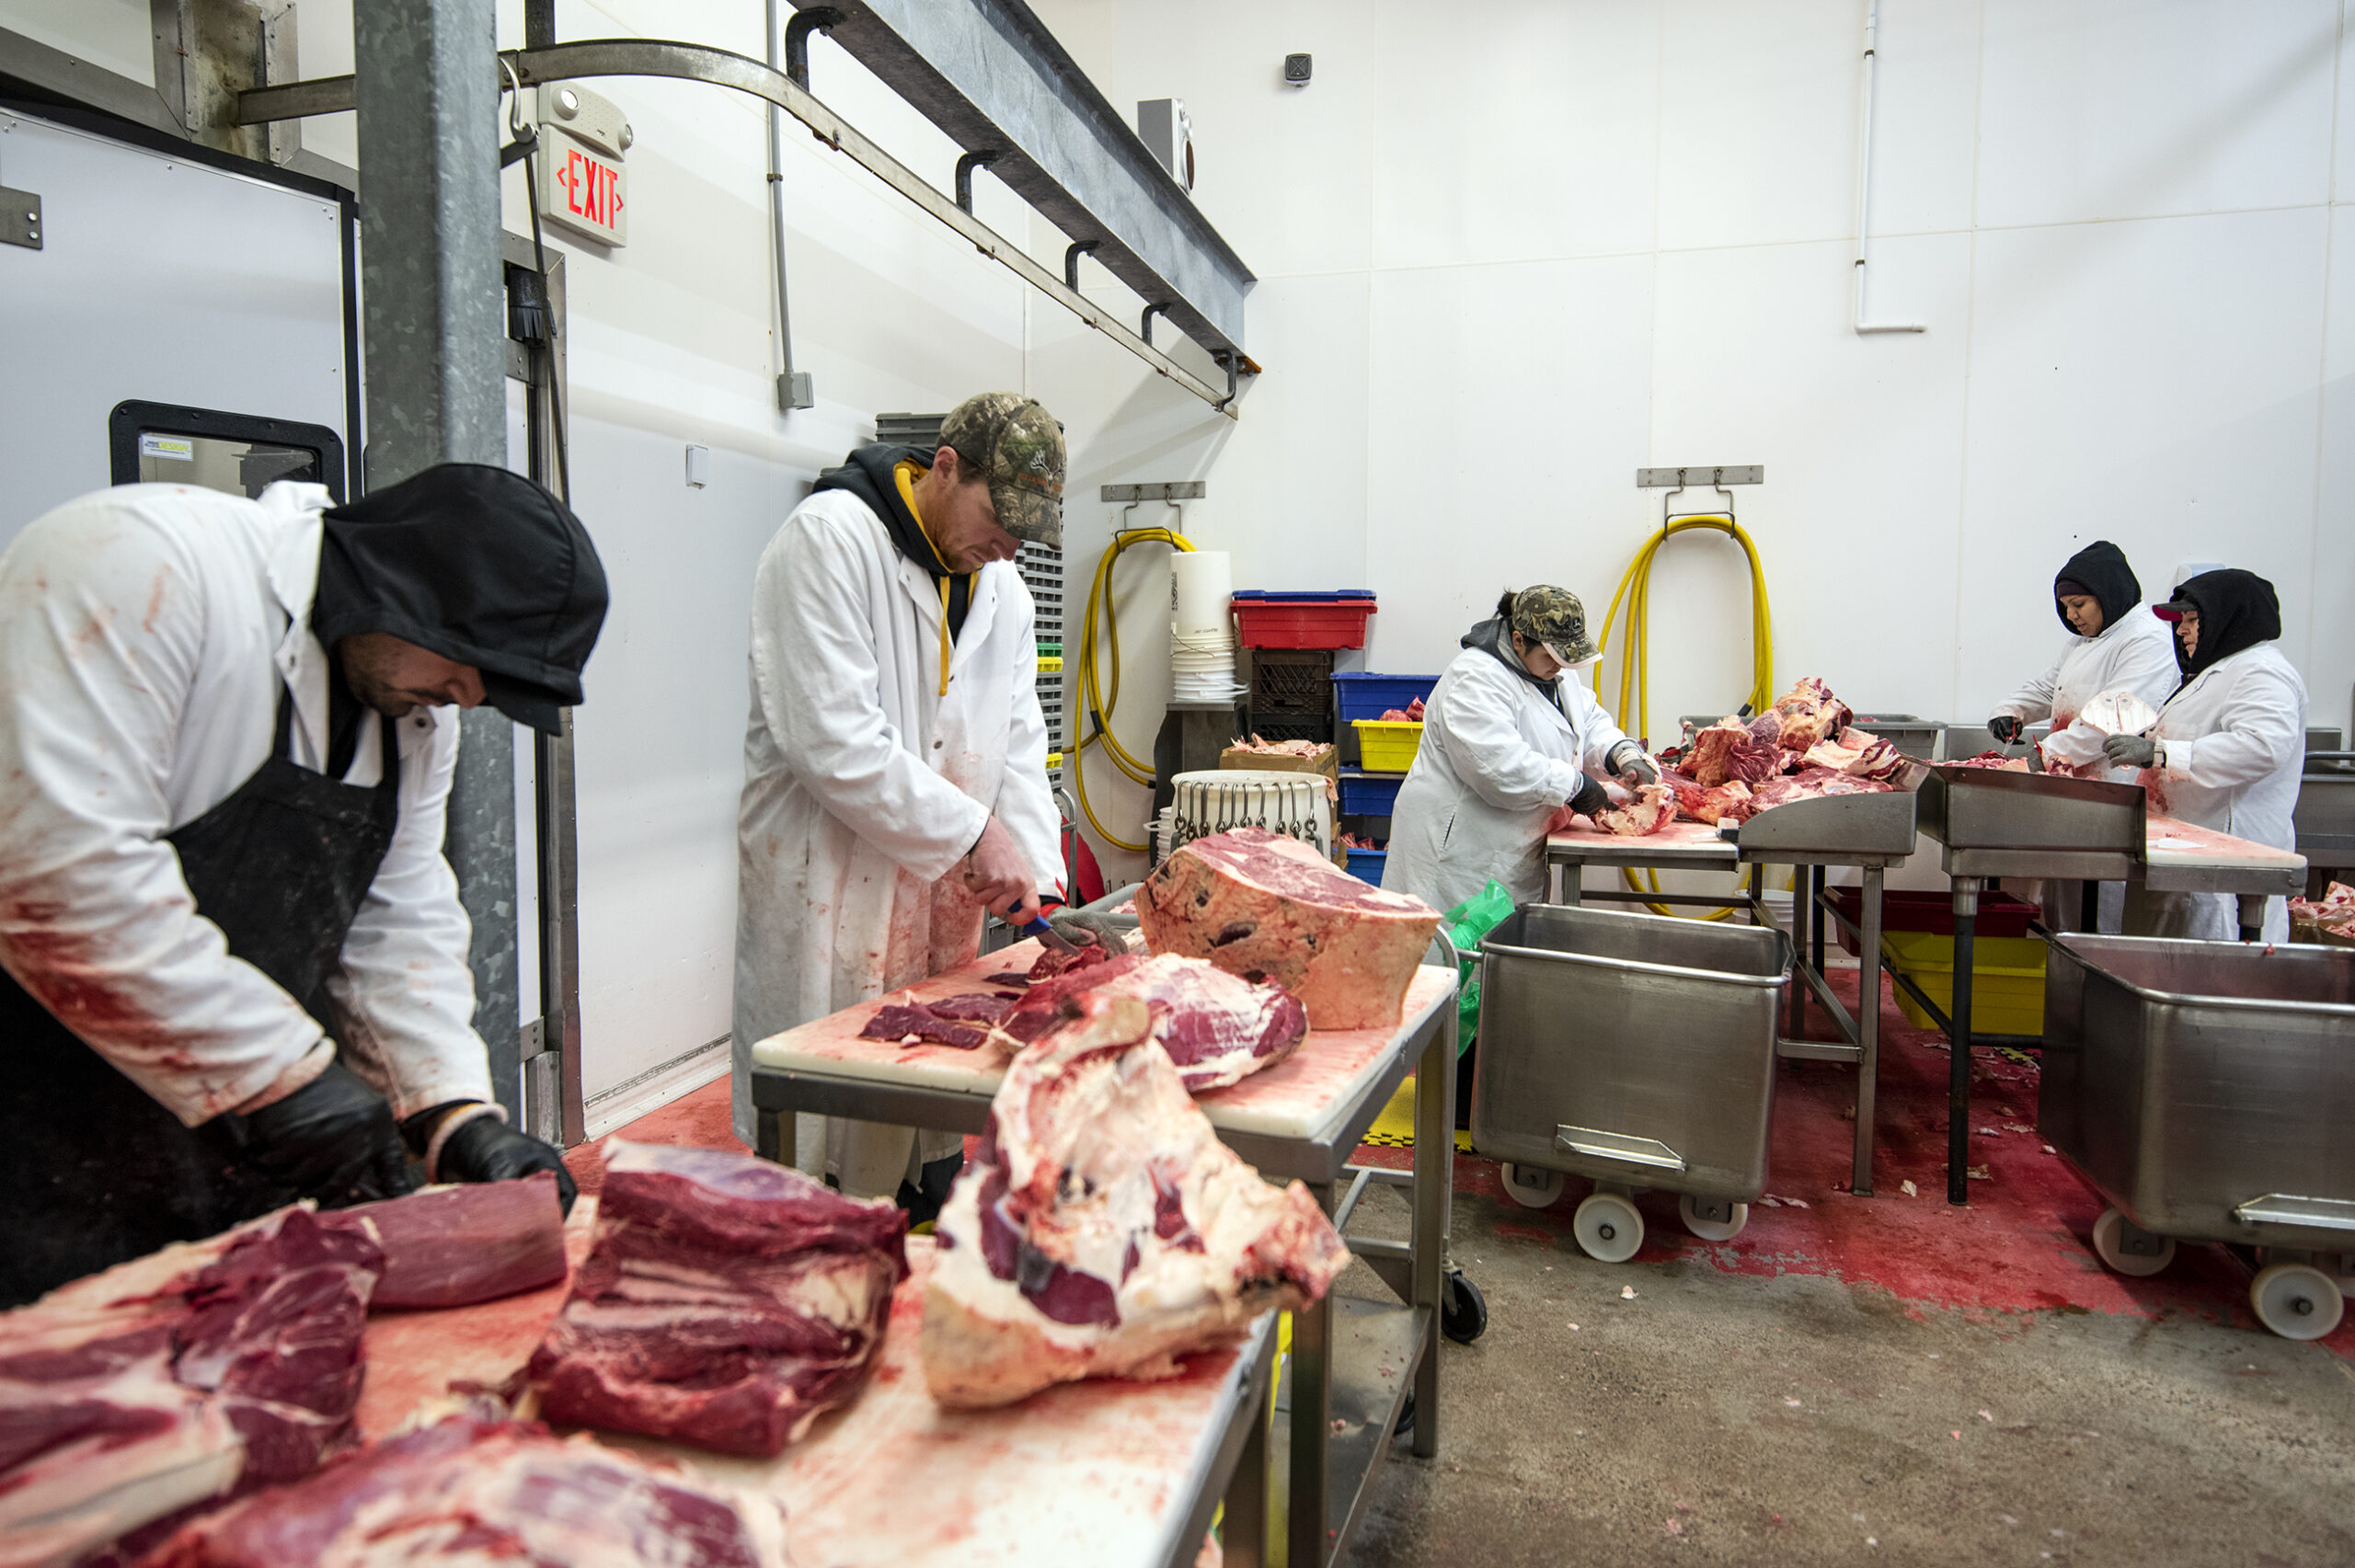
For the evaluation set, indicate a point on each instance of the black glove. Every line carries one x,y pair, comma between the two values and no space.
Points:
333,1139
2005,728
488,1150
1591,799
1082,928
2131,750
1630,762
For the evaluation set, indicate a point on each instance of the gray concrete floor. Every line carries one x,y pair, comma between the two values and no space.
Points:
1721,1418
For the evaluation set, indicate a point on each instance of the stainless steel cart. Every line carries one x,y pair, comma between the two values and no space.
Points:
2325,817
2205,1089
1635,1050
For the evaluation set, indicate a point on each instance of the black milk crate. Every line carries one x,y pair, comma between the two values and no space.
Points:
1294,681
1290,727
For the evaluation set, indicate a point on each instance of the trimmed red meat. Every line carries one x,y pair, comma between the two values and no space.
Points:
1653,808
725,1302
464,1491
1102,1230
1721,802
897,1021
1269,908
177,1379
1217,1027
1731,749
456,1246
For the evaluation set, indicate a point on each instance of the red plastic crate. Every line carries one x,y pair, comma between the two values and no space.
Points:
1301,623
2000,914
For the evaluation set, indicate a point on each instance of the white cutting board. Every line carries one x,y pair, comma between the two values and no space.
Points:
2170,843
1298,1097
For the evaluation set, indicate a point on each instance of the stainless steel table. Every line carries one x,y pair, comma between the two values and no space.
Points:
1351,1357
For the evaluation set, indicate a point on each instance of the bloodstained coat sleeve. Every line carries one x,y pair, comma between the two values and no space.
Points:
817,680
101,624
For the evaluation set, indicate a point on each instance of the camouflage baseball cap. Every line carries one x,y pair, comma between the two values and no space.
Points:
1014,443
1542,614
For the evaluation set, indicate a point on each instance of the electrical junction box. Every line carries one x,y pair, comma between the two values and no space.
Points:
1168,131
583,184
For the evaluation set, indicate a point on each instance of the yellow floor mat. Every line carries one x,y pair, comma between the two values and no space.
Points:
1395,1127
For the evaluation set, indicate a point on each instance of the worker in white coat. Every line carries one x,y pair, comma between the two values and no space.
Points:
895,759
2228,751
236,959
2112,646
1511,735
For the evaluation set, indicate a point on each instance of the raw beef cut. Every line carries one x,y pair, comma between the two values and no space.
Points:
2329,919
1727,802
1269,908
1653,808
1218,1028
1809,713
1102,1230
1812,784
472,1491
455,1245
1857,753
725,1302
1732,749
903,1021
196,1372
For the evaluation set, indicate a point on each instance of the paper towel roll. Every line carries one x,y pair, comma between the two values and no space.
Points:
1201,582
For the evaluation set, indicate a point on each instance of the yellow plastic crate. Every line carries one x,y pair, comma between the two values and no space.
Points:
2006,986
1387,745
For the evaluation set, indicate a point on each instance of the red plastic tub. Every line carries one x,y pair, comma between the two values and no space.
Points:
1302,619
2000,914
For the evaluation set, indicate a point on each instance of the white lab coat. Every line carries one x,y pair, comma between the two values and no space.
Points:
145,633
2134,653
2231,754
1497,759
864,787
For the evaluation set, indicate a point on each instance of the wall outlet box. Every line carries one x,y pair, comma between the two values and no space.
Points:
1296,68
698,468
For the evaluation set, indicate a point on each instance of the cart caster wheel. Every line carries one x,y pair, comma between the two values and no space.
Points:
1463,1310
1608,1228
1531,1187
2110,1242
2296,1300
1689,1209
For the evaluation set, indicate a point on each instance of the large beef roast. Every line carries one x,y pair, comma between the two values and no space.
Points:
178,1378
453,1246
1269,908
1103,1230
725,1302
1218,1028
469,1492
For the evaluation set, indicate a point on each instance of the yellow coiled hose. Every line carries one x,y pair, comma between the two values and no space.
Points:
1097,699
1634,591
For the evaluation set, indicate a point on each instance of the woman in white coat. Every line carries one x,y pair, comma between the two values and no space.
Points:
895,782
2111,647
2229,748
1509,737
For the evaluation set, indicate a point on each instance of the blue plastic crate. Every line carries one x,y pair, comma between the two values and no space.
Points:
1366,865
1367,696
1370,794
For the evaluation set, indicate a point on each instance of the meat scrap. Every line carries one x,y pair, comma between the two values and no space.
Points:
467,1491
179,1379
453,1246
1102,1230
1272,909
1855,752
1734,748
2329,919
1809,713
725,1302
1218,1028
1729,802
1651,808
917,1021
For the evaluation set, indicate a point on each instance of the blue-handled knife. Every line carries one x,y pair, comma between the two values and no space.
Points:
1049,935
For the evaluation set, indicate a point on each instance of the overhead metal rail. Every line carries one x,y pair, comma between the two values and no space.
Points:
720,67
991,75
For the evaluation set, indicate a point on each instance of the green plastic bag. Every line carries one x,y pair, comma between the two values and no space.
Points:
1465,925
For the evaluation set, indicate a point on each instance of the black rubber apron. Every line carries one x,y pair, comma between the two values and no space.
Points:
103,1172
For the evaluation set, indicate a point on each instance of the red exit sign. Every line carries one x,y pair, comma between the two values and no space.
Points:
582,188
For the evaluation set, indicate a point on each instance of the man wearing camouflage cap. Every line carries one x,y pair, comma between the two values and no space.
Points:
895,778
1511,736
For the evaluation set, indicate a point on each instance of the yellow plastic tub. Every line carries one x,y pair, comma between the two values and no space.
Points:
2007,979
1387,745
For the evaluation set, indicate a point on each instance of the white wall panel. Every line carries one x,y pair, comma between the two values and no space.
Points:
1927,116
2130,108
2152,382
2330,606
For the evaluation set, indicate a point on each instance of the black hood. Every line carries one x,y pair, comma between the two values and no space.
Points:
478,565
2100,567
867,473
2238,609
1490,637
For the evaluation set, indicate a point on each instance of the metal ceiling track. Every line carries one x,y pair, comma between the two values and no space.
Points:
720,67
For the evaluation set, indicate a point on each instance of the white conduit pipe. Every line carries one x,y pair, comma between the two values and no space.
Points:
1864,180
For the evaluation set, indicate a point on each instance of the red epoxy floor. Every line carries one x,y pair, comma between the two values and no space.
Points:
2019,1246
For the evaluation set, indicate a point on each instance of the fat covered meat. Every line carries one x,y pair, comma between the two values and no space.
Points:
1218,1028
1102,1230
727,1301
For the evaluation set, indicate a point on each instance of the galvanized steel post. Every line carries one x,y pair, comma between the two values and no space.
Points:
426,88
